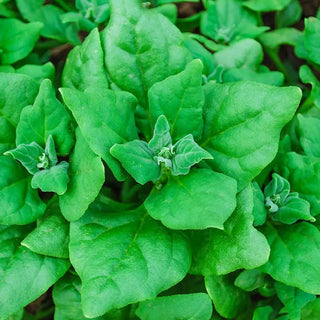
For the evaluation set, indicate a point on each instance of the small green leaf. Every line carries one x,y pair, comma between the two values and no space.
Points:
265,6
50,151
27,277
136,157
51,237
287,263
229,300
28,155
84,67
133,250
105,118
46,117
20,204
54,179
259,210
312,39
186,154
293,299
264,313
249,280
193,306
311,310
17,39
180,99
289,15
161,135
86,179
202,199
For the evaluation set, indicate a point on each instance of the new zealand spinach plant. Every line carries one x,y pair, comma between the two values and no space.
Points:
165,169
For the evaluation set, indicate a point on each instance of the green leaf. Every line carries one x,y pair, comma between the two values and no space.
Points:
202,199
249,280
46,117
263,313
311,310
17,91
17,39
27,277
243,121
186,154
259,210
54,179
312,39
133,250
238,246
10,238
293,299
28,155
226,21
86,179
51,237
20,204
38,72
195,306
289,15
105,118
303,172
161,135
84,67
288,263
264,6
308,77
142,47
51,17
136,157
180,99
309,131
229,300
67,300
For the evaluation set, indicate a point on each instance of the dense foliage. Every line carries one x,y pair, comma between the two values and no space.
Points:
167,168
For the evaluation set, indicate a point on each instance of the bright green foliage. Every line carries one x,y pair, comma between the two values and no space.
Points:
238,246
259,210
256,124
46,117
133,249
16,91
20,204
17,39
289,15
285,206
227,21
51,18
196,306
264,313
262,5
198,200
229,300
86,178
84,67
51,236
249,280
105,118
287,262
293,299
141,48
311,310
180,99
311,39
27,276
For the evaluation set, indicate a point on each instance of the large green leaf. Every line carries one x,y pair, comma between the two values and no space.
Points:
243,121
86,179
84,67
193,306
17,39
17,91
120,255
19,202
180,99
294,257
238,246
142,47
199,200
27,276
51,237
46,117
229,300
105,118
293,299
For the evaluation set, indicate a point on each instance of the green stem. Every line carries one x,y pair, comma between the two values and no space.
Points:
280,66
